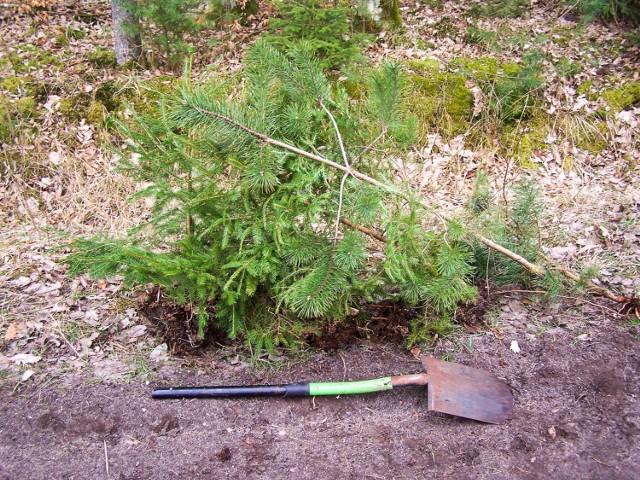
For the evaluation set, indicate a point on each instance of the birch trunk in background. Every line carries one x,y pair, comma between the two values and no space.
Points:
128,45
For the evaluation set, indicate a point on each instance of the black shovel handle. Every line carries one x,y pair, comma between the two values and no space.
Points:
291,390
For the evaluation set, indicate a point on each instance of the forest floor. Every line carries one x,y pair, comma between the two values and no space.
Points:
79,358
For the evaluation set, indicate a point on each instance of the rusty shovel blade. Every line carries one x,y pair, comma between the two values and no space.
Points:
467,392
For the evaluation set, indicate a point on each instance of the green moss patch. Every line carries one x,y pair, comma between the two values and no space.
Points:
145,99
588,90
484,68
511,89
74,108
623,98
102,58
96,113
520,141
26,107
440,102
12,84
424,67
113,96
28,58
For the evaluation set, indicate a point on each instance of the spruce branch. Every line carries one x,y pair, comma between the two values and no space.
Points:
290,148
538,270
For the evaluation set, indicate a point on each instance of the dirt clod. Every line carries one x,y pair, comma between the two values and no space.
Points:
224,454
167,423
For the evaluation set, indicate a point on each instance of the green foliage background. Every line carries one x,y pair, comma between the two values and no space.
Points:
328,31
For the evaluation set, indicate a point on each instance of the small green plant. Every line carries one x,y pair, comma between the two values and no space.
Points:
517,226
610,10
477,36
327,29
75,34
482,197
7,120
445,27
433,3
566,68
427,330
500,8
167,25
633,39
511,89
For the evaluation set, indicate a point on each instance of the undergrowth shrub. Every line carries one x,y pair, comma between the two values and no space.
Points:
500,8
610,10
328,29
511,89
168,24
477,36
516,226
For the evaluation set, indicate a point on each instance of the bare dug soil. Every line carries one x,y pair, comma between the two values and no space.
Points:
576,416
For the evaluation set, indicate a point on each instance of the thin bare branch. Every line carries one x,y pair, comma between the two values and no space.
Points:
370,146
303,153
367,231
346,163
335,127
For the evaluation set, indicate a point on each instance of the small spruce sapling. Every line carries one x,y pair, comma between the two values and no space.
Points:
259,232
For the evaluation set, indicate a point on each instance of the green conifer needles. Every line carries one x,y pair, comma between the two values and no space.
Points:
253,191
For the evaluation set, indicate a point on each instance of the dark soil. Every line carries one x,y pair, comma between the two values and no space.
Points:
177,325
576,417
387,321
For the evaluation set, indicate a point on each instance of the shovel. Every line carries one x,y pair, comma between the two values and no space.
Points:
452,388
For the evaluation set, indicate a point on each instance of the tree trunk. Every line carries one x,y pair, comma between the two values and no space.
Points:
128,45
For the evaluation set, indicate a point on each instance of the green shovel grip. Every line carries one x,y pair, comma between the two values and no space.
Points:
350,388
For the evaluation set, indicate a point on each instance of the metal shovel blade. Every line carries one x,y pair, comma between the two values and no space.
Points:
467,392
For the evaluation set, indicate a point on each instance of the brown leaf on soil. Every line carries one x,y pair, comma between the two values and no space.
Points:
12,332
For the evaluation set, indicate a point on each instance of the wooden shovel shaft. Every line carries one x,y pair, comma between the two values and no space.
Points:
420,379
